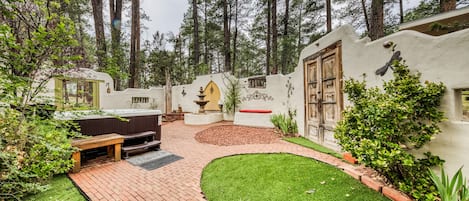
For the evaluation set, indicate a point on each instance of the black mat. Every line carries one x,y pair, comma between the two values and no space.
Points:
153,160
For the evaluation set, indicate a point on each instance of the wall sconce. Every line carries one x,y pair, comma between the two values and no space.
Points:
108,90
183,92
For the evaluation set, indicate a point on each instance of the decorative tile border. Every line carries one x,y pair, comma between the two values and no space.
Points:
257,96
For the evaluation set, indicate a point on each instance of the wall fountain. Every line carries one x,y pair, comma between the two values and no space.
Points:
202,117
201,102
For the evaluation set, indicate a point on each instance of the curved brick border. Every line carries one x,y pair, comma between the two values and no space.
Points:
181,180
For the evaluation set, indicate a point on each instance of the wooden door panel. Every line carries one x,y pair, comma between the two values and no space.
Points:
323,96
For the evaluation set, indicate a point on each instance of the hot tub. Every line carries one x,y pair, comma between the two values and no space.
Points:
107,121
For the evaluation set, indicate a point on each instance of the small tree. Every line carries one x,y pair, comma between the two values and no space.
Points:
383,125
232,95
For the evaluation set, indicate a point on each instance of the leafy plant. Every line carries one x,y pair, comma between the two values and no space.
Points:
383,125
454,190
36,42
286,124
232,95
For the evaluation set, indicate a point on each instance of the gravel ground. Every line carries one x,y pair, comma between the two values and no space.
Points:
227,135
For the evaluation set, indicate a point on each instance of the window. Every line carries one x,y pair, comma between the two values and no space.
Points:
257,82
75,93
140,99
465,104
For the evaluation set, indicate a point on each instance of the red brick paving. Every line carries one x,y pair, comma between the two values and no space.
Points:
179,180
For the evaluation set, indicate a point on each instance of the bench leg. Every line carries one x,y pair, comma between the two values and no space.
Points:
117,152
110,151
76,156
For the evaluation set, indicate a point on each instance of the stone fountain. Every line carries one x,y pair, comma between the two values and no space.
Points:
201,102
202,117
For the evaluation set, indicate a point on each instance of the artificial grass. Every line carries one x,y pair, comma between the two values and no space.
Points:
280,177
307,143
60,188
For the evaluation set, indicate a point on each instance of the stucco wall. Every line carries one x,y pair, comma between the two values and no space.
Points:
273,97
439,59
123,99
114,99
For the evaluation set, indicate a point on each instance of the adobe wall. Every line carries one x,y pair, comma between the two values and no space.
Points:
439,59
114,99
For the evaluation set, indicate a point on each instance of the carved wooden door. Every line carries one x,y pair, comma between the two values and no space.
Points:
323,95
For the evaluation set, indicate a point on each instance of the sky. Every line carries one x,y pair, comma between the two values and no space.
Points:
165,16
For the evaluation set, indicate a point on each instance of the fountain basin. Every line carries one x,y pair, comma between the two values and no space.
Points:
202,119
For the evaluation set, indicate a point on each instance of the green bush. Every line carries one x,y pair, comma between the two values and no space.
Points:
32,150
286,124
383,125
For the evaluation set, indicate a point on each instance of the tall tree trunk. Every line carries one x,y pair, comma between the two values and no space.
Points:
226,34
274,37
115,10
401,11
328,16
195,17
205,33
365,13
134,44
376,25
447,5
168,91
99,32
235,39
300,20
285,38
267,57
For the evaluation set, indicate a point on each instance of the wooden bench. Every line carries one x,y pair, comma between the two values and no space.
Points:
112,141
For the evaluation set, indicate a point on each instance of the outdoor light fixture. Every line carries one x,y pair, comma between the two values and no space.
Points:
183,92
108,90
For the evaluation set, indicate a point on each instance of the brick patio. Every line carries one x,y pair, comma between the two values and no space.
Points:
179,180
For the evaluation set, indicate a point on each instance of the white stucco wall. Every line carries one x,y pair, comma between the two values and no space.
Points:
273,97
114,99
192,90
439,59
123,99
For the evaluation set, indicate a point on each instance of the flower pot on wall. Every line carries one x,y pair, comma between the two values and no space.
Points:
349,158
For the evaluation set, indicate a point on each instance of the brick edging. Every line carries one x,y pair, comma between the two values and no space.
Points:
387,191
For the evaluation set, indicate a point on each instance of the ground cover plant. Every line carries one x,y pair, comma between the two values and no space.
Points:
61,188
383,125
280,177
309,144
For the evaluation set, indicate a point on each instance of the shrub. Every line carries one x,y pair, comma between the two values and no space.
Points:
383,125
286,124
32,150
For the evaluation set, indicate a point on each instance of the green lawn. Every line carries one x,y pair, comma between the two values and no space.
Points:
280,177
61,188
307,143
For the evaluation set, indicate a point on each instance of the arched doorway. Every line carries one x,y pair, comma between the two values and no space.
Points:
212,94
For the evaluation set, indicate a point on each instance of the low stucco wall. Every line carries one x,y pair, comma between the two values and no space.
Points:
123,99
439,59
